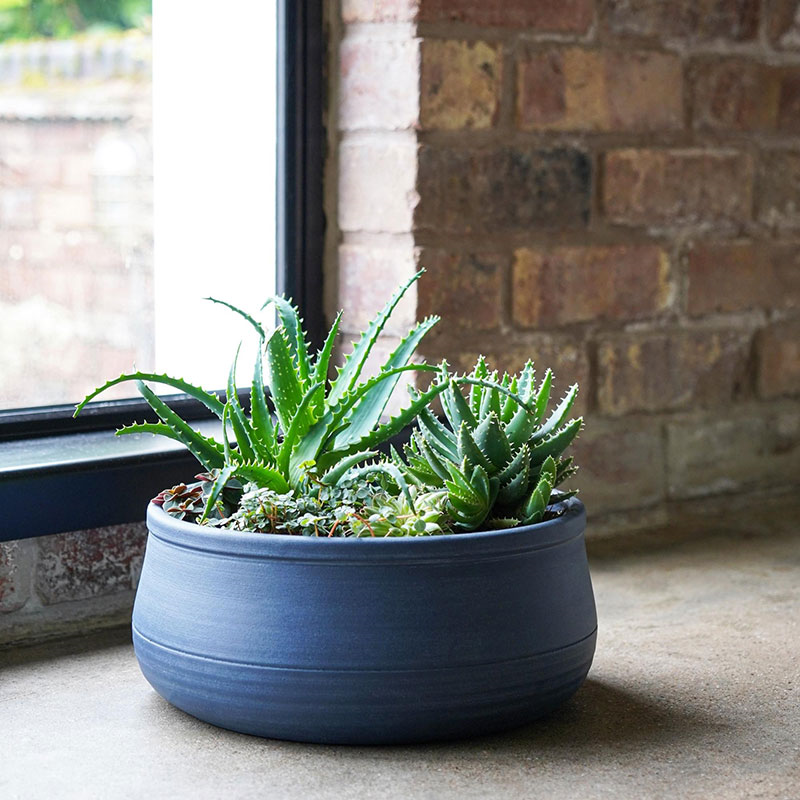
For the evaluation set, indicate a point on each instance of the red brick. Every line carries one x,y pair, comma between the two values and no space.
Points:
379,10
621,464
568,16
783,26
460,84
502,189
671,369
658,187
83,564
779,359
565,355
379,83
789,102
376,184
577,89
463,289
695,20
14,576
778,188
580,284
735,94
746,95
738,276
749,448
368,276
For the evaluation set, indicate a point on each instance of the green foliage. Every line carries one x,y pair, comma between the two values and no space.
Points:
59,19
500,459
357,506
324,428
303,459
420,513
188,502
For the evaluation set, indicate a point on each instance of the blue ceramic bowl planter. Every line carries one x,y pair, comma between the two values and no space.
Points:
366,641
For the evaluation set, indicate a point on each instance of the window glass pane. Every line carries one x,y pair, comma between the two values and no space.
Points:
86,288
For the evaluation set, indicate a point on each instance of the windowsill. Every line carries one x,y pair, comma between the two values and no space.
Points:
76,481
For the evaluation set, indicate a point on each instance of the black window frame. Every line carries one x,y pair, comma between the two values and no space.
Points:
60,474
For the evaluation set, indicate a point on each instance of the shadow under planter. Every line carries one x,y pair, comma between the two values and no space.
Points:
366,641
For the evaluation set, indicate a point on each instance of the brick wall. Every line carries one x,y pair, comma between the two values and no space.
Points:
611,188
68,583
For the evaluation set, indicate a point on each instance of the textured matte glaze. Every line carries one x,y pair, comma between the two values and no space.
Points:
366,640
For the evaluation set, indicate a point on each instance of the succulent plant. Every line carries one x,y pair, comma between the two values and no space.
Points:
182,501
418,513
500,459
323,428
357,506
188,501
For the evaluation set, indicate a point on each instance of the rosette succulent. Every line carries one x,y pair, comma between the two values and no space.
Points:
500,456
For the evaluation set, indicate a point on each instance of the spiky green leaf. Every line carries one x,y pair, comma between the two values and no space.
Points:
480,372
287,392
490,402
534,508
263,476
263,430
210,401
521,457
509,403
226,473
468,450
301,422
258,327
543,397
203,449
512,492
491,439
556,444
156,428
332,476
239,422
437,435
556,419
322,363
368,411
351,370
295,336
457,409
396,424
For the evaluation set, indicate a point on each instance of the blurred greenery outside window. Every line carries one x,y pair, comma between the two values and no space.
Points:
62,19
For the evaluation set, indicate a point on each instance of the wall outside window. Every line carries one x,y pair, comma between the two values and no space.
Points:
76,242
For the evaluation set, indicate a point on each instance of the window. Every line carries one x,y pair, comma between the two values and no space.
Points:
53,479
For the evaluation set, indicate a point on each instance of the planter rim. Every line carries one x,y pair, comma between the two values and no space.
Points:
477,544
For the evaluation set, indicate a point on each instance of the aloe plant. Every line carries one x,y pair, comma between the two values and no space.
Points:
500,459
322,428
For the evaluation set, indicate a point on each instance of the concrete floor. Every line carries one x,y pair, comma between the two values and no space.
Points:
694,693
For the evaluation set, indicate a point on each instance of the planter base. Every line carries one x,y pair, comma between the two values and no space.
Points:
365,706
